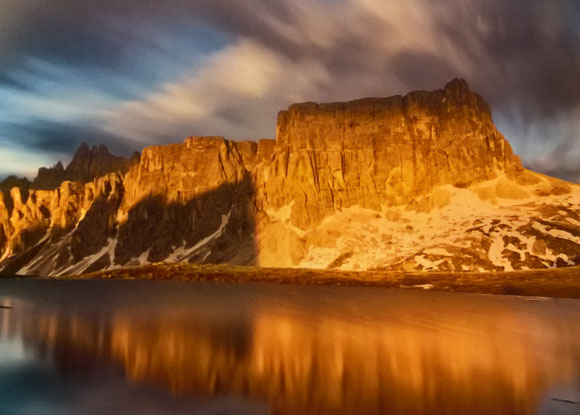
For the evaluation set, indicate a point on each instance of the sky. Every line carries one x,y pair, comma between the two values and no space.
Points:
131,73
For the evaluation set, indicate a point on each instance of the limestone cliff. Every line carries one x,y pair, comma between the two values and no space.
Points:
180,194
382,151
420,182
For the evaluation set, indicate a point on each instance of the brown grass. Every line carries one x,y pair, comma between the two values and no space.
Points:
560,282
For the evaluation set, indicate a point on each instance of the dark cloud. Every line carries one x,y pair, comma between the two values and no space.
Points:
524,42
421,69
524,50
64,138
100,32
63,32
565,173
12,82
525,47
89,33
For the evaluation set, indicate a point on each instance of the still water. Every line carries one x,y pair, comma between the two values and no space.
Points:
154,347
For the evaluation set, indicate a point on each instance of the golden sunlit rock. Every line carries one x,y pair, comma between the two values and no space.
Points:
423,182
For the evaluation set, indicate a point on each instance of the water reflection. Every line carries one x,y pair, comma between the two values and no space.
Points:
323,351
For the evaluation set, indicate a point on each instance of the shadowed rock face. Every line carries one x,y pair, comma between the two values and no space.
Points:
377,182
181,194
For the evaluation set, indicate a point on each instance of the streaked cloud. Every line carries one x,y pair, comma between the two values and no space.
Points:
21,160
236,94
140,72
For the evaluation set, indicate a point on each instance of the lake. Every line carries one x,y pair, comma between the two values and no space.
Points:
163,347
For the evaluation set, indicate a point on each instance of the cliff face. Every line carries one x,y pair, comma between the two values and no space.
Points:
421,182
181,194
382,151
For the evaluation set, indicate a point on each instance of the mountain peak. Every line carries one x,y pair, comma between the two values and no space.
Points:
83,149
457,84
87,164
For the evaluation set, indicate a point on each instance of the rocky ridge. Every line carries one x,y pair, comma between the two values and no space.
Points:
420,182
87,164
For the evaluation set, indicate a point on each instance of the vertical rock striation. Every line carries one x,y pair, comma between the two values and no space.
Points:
180,194
382,151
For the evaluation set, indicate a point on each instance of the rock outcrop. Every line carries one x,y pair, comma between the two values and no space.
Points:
86,165
49,178
420,182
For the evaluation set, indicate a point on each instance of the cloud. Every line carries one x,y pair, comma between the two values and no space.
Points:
42,143
370,47
236,94
63,138
23,161
185,67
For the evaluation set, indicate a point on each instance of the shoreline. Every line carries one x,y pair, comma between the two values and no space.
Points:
555,283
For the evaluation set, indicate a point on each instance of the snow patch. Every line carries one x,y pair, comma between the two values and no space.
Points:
86,262
556,233
142,259
495,252
394,234
427,264
28,268
573,221
182,253
424,286
559,233
283,215
319,257
438,251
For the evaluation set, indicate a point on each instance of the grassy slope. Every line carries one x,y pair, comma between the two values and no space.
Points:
561,282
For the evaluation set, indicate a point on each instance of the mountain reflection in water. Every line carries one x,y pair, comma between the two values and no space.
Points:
318,350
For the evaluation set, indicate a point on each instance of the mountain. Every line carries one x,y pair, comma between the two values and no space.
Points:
86,165
417,182
12,181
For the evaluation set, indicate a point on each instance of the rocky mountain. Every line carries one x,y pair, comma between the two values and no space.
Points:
86,165
417,182
12,181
